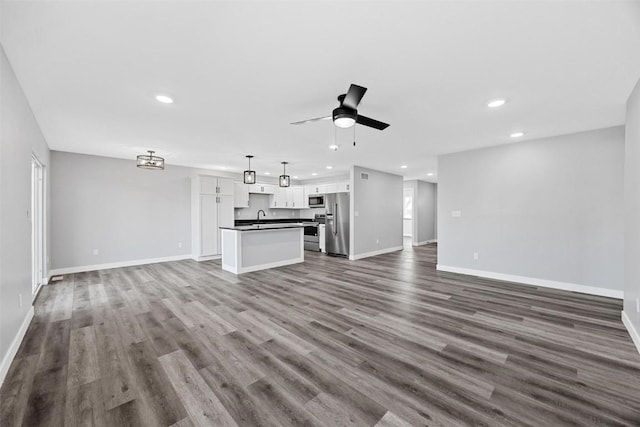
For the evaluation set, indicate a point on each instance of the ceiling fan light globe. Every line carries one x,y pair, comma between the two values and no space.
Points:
344,122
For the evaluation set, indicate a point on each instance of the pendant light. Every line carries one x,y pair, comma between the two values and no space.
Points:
249,175
149,161
284,180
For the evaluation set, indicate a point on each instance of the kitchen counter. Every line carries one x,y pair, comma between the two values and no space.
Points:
258,227
247,248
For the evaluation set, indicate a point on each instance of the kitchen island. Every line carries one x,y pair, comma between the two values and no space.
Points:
247,248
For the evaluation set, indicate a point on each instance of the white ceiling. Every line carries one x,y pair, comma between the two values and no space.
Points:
240,72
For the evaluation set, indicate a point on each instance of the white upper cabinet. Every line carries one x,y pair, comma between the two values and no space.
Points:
240,195
297,197
215,185
343,187
339,187
262,188
288,198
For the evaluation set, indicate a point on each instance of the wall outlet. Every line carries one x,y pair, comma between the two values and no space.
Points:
96,252
456,214
179,244
293,214
377,241
356,213
475,255
20,300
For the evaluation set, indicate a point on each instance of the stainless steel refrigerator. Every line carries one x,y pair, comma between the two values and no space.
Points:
337,224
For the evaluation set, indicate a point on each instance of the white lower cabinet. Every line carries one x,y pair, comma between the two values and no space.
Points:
321,234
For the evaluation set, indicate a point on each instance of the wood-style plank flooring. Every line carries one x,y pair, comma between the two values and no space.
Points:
385,341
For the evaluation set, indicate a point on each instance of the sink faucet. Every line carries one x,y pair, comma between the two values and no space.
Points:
258,218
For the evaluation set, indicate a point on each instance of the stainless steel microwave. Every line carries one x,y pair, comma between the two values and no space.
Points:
316,201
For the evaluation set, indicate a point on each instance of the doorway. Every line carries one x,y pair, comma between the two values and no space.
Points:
407,217
37,224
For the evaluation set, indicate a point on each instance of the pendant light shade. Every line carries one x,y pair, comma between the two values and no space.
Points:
249,175
284,180
149,161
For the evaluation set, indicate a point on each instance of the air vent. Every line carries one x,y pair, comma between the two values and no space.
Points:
364,175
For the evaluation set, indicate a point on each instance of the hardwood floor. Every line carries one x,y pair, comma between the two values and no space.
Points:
385,341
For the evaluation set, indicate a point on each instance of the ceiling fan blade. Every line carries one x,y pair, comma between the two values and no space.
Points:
312,120
366,121
354,96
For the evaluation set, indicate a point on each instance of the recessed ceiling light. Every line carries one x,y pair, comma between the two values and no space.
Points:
517,134
267,173
295,177
430,174
404,166
329,167
334,147
164,99
314,174
495,103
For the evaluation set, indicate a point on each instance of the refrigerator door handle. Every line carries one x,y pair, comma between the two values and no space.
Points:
335,220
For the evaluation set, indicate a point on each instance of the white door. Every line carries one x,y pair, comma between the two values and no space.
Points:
37,224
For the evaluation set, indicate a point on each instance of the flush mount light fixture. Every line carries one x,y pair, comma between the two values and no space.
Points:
249,175
164,99
149,161
295,177
430,174
329,167
517,134
284,180
404,166
267,173
314,174
495,103
334,147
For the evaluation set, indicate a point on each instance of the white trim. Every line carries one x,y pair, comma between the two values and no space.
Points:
84,268
573,287
205,257
635,336
15,345
426,242
45,280
374,253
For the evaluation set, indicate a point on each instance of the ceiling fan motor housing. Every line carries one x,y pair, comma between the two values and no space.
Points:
344,117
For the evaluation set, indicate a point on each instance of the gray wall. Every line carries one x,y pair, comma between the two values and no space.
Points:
19,137
424,210
376,211
125,212
632,210
545,209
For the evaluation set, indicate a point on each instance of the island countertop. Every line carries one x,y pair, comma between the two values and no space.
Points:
259,227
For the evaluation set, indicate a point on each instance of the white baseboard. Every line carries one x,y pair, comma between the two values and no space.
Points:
635,336
15,345
205,258
573,287
374,253
84,268
426,242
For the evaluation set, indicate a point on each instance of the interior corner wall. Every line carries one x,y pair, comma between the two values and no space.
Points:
376,225
631,314
20,137
544,211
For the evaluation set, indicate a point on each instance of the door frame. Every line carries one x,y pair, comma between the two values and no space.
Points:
38,215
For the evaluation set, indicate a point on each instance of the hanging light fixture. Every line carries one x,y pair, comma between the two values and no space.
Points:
284,180
249,175
149,161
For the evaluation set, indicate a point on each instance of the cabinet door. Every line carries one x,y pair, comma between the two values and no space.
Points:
208,184
330,188
279,199
305,197
225,211
240,195
208,225
298,197
343,187
225,186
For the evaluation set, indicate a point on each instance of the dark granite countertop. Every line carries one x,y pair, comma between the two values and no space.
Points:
258,227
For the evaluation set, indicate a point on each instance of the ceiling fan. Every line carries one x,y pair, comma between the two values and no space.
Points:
346,115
